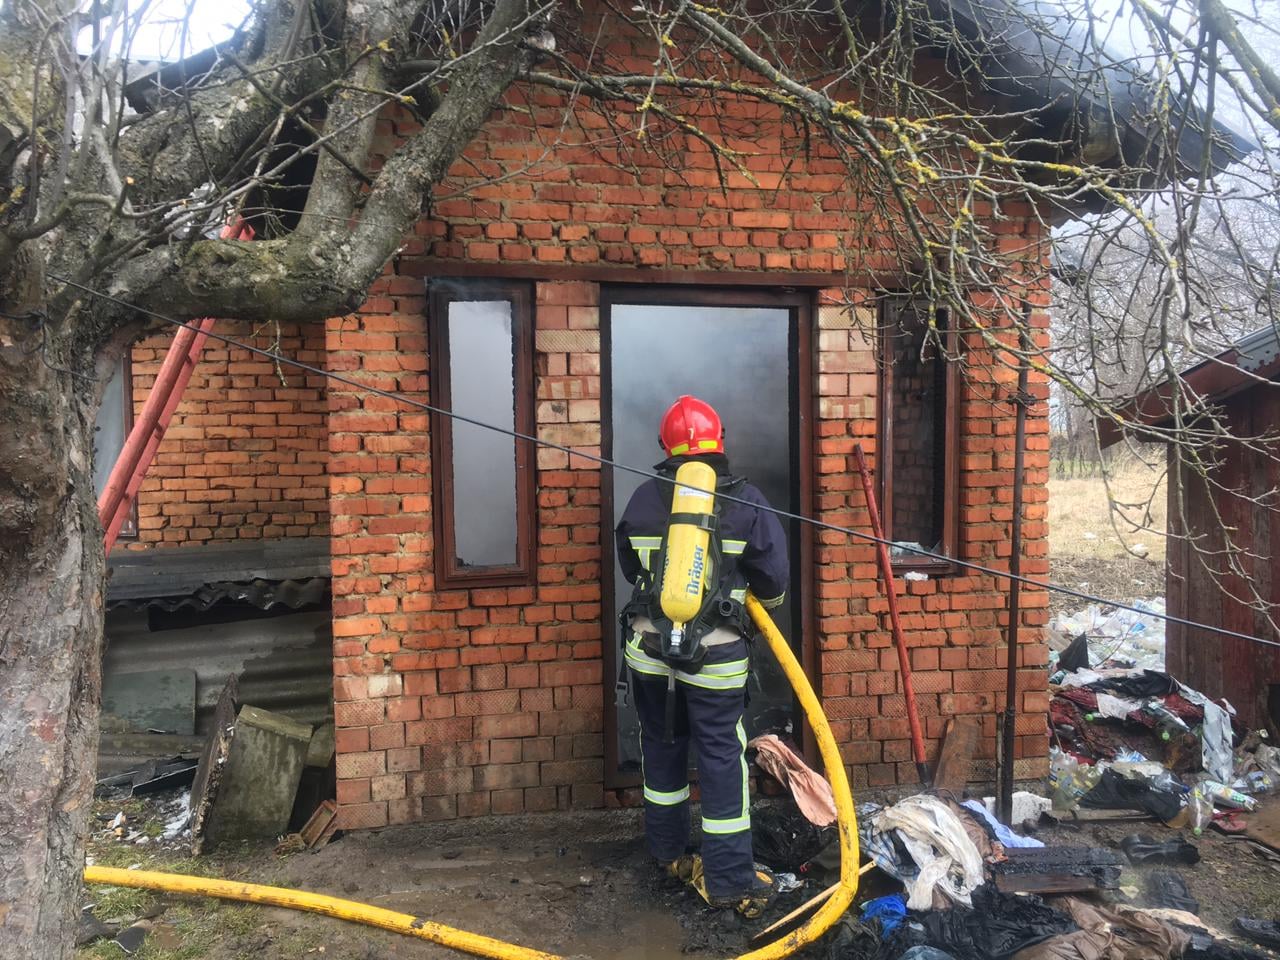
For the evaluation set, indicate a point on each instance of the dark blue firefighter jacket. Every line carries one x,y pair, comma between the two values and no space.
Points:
754,544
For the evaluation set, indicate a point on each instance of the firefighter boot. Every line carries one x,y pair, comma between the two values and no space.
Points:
753,902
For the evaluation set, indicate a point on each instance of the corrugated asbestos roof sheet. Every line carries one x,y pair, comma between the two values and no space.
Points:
263,594
265,573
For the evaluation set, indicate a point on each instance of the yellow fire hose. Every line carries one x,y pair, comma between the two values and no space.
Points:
411,926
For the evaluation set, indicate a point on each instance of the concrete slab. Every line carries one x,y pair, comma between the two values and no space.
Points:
264,762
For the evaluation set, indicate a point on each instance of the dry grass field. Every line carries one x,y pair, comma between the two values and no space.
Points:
1106,536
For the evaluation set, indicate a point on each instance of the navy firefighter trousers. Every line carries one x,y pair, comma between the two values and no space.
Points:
709,711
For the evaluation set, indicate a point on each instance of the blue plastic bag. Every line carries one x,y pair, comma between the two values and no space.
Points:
890,911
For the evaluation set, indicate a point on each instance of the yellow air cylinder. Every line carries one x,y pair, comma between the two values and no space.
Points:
688,564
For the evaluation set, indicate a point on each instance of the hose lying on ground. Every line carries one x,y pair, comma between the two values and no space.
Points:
411,926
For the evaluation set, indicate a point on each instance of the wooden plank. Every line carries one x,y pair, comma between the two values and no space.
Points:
955,764
1045,883
1088,814
322,825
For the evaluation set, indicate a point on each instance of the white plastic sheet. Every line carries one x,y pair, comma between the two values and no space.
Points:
1117,638
934,837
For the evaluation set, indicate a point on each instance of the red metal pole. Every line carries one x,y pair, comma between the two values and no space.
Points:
891,595
148,430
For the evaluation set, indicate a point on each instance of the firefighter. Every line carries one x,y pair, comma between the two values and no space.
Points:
694,692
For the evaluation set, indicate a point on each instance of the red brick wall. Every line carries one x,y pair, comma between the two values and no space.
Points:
465,702
245,452
455,703
955,623
462,702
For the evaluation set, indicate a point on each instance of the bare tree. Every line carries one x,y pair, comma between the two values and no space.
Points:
117,184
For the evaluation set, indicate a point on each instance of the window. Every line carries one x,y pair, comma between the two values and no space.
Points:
919,428
115,419
482,368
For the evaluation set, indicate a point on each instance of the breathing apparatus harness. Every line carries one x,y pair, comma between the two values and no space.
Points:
684,592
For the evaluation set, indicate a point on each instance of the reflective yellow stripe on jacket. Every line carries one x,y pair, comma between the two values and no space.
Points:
730,675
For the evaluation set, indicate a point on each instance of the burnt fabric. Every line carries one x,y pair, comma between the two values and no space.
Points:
850,939
1137,686
1100,741
1205,947
1076,656
710,720
810,789
998,926
1114,792
1166,889
784,839
1107,934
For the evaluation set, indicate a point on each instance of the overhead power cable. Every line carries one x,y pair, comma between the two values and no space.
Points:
650,475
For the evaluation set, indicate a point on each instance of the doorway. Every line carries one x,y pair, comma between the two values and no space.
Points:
746,353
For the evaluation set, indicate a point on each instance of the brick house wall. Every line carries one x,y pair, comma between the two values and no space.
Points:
246,451
455,703
490,700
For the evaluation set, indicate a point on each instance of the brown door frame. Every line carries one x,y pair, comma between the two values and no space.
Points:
802,304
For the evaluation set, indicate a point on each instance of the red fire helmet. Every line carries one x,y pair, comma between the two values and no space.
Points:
691,426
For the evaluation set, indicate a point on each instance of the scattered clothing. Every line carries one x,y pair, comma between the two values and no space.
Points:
1204,947
810,789
851,939
1114,792
1136,684
782,838
1084,699
936,841
1140,848
888,911
1265,932
977,830
1002,833
1099,740
1106,934
1076,656
1168,890
926,953
997,927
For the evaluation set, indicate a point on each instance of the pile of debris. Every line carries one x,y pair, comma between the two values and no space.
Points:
259,774
948,881
1138,740
1112,637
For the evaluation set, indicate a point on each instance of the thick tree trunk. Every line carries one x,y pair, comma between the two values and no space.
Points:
51,576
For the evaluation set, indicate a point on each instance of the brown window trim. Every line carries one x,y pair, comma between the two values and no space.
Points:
449,574
951,450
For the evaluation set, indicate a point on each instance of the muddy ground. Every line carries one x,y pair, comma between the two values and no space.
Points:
573,884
